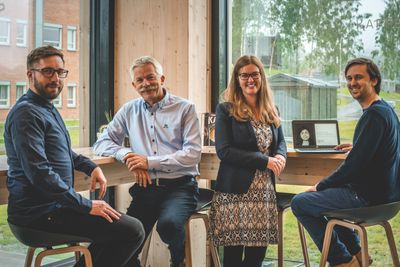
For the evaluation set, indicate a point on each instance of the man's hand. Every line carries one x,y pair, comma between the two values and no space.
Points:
97,176
142,177
276,165
135,161
312,188
344,147
101,208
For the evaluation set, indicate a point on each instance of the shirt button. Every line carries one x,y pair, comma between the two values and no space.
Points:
151,126
152,114
152,140
155,152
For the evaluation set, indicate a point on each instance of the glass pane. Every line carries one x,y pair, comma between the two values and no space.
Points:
305,46
4,31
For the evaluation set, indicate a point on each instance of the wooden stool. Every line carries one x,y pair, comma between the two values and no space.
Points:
358,219
40,239
283,201
203,205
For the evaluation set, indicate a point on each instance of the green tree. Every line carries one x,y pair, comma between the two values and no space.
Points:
388,38
331,30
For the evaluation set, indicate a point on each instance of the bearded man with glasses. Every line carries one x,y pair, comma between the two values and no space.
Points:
41,172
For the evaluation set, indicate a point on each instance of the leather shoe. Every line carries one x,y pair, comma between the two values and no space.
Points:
352,263
358,256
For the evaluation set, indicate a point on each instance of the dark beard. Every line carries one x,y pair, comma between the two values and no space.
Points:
41,89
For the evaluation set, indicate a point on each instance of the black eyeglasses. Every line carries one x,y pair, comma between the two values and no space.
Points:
245,76
49,72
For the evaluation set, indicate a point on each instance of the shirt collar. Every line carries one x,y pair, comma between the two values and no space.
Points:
159,105
38,99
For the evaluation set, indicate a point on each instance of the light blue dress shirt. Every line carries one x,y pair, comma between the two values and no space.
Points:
168,133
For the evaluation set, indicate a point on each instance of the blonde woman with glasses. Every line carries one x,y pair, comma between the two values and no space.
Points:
252,150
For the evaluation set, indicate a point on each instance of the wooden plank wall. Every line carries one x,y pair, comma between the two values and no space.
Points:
177,33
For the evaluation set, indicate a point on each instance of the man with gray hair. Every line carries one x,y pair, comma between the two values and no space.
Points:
165,148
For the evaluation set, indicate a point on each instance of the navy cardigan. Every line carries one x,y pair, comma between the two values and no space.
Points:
237,149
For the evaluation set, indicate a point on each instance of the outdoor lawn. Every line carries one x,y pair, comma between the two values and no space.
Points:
378,247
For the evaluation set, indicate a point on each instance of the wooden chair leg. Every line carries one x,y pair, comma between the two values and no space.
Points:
211,247
327,242
362,234
88,257
188,250
29,256
392,244
280,238
303,244
77,253
145,250
51,251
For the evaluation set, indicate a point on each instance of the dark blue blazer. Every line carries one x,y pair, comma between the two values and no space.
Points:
237,149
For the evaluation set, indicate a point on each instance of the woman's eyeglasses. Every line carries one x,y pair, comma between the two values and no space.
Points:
245,76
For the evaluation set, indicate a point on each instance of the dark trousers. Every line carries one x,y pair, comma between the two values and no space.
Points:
308,206
114,244
170,204
253,256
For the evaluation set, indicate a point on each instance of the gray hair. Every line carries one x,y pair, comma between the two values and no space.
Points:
141,61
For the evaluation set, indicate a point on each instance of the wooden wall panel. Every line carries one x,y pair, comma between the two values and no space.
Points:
157,28
177,33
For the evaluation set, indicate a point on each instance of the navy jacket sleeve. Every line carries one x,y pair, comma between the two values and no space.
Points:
226,151
28,137
369,129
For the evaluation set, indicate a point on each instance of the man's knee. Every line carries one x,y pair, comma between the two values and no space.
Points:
168,228
299,202
132,229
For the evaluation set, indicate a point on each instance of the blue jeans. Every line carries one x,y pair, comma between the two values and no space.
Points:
170,205
308,206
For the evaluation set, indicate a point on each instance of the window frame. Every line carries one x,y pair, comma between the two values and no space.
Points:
25,89
24,23
58,104
8,84
8,21
72,29
73,86
51,42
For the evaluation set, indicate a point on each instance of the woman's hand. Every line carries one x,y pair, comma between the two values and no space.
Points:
276,164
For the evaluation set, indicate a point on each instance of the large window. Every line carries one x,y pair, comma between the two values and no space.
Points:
21,34
71,99
71,38
305,46
4,31
5,94
20,89
57,102
24,25
52,35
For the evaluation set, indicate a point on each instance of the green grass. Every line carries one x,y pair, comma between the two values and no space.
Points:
347,131
378,247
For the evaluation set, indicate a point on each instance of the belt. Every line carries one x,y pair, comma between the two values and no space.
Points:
173,181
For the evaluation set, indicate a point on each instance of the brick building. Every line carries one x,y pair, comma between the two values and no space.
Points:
26,24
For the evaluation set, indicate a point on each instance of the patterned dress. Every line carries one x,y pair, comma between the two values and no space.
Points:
249,219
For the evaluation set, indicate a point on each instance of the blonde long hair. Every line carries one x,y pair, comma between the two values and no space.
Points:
239,108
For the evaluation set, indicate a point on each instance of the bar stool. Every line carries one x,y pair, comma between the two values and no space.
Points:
40,239
201,212
283,201
358,219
